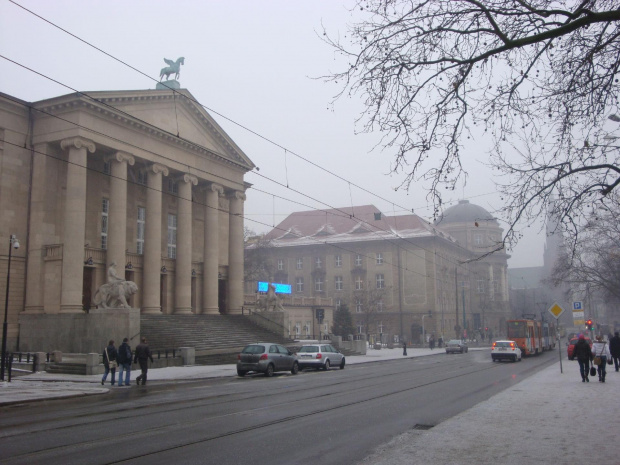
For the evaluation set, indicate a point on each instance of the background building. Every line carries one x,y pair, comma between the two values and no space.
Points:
397,274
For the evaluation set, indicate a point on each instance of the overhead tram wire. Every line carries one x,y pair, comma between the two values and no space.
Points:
344,214
319,242
203,106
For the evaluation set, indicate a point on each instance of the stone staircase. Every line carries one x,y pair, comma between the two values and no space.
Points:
217,339
67,368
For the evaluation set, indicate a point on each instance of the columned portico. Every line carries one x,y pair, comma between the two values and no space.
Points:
74,224
117,224
211,249
183,277
151,302
235,252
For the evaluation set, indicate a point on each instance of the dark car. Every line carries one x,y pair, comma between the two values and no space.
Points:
456,345
267,358
571,346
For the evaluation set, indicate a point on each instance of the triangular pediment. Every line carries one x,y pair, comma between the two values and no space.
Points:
176,114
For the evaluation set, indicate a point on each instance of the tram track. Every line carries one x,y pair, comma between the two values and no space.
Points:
423,379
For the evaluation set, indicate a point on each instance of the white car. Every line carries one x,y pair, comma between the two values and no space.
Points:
505,350
319,356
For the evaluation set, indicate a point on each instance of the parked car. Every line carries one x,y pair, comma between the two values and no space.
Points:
320,356
571,346
267,358
456,345
505,350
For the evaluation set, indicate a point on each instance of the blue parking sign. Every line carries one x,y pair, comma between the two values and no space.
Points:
577,305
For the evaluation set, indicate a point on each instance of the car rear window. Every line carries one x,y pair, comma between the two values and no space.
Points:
309,349
454,342
253,349
502,344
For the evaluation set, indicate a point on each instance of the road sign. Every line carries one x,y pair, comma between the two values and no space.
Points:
578,305
556,310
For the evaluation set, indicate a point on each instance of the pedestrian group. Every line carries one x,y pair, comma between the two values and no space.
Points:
122,359
600,355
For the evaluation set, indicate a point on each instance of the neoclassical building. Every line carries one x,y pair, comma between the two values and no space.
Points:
144,179
397,274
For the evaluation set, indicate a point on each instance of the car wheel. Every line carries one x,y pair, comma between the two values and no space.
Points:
295,368
326,366
241,373
342,362
269,372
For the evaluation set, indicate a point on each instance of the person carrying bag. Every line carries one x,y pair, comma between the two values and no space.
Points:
601,353
109,362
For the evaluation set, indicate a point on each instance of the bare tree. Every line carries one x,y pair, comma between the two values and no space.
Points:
536,77
258,262
595,262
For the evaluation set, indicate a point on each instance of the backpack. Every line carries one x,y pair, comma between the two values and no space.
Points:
127,353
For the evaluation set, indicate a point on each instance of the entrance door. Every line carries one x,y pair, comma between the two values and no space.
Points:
221,295
87,288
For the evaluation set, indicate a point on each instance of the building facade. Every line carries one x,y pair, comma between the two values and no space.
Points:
145,180
399,275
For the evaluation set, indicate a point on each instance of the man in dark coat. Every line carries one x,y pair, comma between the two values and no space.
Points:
614,348
583,354
124,362
143,354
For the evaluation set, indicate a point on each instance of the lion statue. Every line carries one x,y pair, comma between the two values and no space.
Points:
115,294
270,301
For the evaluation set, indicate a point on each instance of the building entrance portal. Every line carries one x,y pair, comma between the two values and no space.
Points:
221,295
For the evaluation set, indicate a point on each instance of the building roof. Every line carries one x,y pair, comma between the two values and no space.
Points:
464,212
348,224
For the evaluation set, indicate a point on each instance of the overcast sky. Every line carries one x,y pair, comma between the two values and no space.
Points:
251,63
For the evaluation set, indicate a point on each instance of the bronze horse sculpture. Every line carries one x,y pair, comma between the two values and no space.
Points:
174,68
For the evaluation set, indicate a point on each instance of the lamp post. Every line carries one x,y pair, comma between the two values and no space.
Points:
13,244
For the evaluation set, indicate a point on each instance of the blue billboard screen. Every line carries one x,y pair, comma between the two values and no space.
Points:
280,288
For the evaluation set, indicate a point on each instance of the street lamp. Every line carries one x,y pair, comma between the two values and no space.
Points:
13,244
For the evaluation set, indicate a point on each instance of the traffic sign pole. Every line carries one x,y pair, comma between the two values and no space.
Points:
556,310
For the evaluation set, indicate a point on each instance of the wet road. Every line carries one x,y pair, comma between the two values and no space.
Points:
315,417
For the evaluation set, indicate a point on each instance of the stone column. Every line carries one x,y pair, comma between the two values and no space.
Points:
211,261
183,268
152,240
36,232
235,252
117,216
74,224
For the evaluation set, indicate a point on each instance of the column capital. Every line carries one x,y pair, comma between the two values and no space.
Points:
121,157
78,143
158,168
213,187
236,195
189,178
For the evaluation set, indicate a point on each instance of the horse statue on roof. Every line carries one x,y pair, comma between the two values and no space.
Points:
269,301
174,68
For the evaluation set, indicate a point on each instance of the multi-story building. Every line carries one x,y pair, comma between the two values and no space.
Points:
144,179
399,275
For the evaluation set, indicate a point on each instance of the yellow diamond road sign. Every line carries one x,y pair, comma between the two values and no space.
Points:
556,310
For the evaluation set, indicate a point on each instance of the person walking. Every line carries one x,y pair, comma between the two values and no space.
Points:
431,342
143,354
600,349
109,362
583,354
124,362
614,349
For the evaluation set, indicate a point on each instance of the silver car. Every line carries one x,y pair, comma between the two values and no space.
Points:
267,358
456,345
320,356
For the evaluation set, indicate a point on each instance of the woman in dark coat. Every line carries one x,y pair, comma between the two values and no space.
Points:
583,354
109,355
